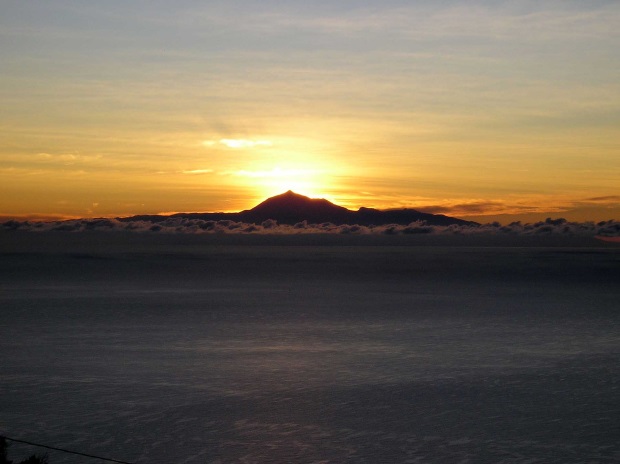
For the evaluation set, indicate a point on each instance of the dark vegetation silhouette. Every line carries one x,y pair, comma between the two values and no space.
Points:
33,459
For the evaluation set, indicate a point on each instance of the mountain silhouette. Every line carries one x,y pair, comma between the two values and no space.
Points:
292,208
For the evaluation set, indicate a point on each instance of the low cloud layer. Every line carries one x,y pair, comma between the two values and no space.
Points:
198,226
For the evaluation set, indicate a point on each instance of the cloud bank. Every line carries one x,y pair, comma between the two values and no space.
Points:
178,225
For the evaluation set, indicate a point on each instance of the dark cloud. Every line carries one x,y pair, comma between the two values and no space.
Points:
606,199
466,209
419,227
269,224
14,225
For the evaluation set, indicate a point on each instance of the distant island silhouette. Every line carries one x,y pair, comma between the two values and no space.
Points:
292,208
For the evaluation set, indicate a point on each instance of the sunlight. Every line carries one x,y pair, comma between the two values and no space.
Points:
265,165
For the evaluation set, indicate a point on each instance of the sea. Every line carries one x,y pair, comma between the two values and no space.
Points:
211,349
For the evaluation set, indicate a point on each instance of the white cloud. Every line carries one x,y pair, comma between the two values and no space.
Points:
244,143
238,143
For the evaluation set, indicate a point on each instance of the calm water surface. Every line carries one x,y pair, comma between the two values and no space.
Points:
314,355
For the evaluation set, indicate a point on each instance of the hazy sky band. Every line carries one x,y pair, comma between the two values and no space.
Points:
118,108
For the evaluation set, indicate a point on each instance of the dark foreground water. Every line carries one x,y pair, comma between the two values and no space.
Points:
274,354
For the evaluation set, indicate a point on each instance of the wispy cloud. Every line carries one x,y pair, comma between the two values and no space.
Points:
197,171
609,199
487,208
435,20
67,159
275,172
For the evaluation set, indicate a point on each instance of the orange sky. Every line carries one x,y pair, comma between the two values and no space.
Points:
486,111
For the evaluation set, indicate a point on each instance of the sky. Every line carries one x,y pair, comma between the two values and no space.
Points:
486,110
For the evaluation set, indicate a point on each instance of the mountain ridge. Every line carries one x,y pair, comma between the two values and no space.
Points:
292,208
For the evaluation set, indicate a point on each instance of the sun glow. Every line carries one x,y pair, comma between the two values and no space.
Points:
267,165
267,183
